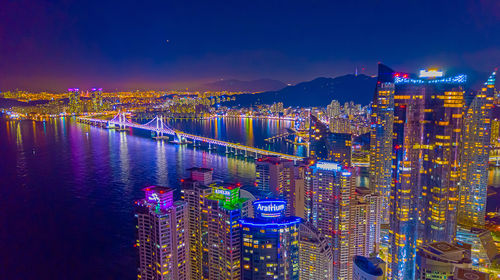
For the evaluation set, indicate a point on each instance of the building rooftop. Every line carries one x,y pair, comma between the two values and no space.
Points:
446,252
200,169
369,265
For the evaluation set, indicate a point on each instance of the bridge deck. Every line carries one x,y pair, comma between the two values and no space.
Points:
212,141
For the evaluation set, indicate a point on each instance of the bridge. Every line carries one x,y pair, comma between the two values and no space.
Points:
158,126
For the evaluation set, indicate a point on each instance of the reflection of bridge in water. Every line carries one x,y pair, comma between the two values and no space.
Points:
158,126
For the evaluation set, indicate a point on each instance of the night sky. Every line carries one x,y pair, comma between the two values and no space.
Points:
168,44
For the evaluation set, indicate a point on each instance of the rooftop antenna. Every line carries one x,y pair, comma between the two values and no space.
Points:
356,74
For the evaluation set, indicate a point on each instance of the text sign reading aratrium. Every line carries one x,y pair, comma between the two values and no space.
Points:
270,208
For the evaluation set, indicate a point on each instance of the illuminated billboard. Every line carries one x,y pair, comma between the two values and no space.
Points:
269,208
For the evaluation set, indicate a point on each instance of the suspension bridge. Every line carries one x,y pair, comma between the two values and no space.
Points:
162,130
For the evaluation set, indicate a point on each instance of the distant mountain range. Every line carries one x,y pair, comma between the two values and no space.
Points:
245,86
318,92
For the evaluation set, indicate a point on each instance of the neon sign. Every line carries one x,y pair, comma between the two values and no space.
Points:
431,73
223,192
270,208
154,197
328,166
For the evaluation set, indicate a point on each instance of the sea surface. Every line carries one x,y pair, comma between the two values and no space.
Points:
67,189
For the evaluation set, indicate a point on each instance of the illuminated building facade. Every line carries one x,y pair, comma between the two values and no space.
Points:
315,255
439,260
330,188
475,156
221,232
74,100
365,222
162,239
484,250
270,243
274,175
96,95
381,137
426,167
325,145
194,190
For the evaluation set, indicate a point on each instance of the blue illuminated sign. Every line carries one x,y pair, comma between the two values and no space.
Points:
270,208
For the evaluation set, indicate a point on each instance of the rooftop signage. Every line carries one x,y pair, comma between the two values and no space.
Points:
223,192
270,208
331,166
431,73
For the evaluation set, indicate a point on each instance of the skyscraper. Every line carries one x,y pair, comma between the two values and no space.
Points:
315,254
96,95
381,137
330,188
162,239
365,222
194,191
74,100
270,243
276,177
224,208
214,232
475,156
325,145
423,204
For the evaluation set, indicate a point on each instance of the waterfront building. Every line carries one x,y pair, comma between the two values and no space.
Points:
162,239
439,260
382,119
96,95
315,255
484,250
423,203
329,189
74,100
364,268
270,243
475,156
